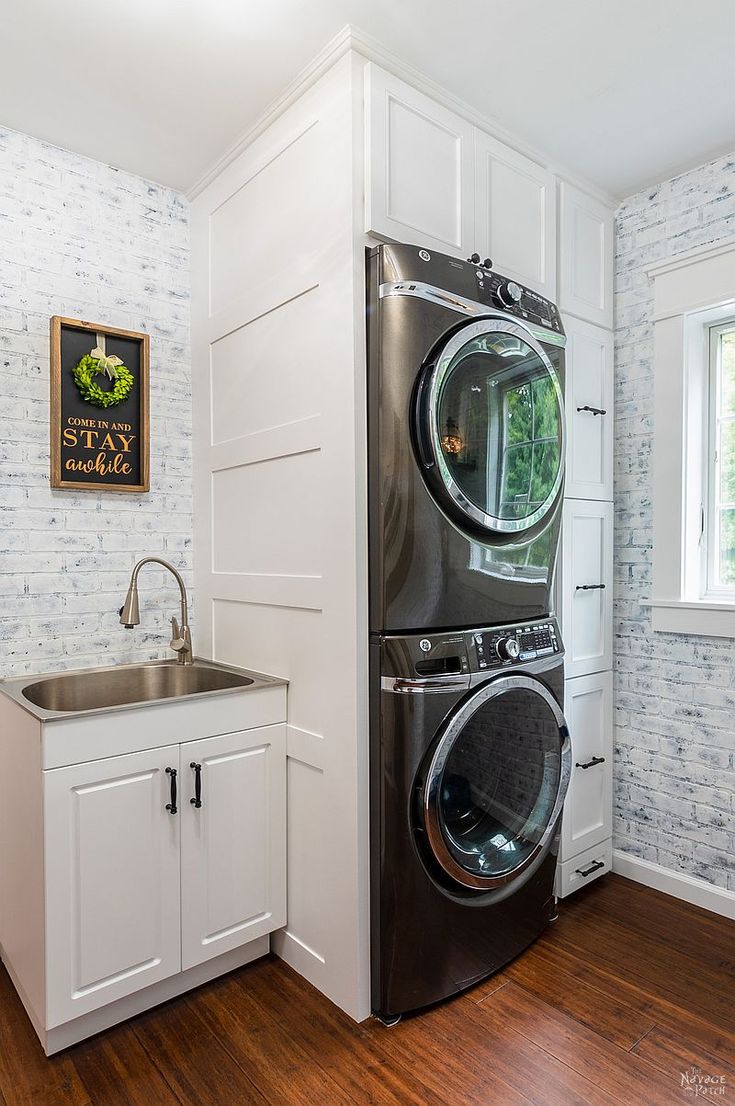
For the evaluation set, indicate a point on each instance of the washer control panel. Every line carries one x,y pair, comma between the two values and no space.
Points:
508,645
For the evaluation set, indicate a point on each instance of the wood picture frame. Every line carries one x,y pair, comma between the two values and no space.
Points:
99,448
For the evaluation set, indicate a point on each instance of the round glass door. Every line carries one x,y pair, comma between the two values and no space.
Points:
497,781
494,419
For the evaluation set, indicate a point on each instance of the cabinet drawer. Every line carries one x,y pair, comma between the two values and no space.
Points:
589,410
588,808
583,869
420,160
587,579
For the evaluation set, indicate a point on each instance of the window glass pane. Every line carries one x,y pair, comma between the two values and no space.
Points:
727,547
726,462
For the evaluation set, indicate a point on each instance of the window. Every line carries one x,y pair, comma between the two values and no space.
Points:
719,468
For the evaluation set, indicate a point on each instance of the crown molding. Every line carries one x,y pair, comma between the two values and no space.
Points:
353,39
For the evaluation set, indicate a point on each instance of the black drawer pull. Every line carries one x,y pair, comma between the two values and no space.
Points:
590,587
592,410
594,867
171,807
197,800
590,763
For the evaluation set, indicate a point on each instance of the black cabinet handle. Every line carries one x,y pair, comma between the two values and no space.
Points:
196,802
590,587
590,763
592,868
593,410
171,807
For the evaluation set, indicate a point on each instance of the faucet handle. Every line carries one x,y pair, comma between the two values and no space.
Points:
177,641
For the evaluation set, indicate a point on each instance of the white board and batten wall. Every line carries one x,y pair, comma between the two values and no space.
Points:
279,384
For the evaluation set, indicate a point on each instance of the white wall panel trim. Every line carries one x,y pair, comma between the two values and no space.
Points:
305,746
302,436
681,886
304,592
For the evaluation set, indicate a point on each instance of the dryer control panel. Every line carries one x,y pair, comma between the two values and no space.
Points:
508,645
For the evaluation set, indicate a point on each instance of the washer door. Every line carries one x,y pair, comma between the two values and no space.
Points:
496,782
490,429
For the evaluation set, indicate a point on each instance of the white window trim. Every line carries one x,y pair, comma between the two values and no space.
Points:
691,292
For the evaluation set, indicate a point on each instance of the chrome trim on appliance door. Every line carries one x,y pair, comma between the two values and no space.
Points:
420,684
432,786
466,307
438,373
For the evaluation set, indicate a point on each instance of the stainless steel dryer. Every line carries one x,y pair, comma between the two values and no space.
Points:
466,443
471,761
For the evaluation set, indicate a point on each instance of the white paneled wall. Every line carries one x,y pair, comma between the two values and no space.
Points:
83,240
279,391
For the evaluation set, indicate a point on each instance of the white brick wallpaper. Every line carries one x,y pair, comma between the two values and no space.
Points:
78,238
675,695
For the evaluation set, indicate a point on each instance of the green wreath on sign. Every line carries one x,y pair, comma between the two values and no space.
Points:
91,366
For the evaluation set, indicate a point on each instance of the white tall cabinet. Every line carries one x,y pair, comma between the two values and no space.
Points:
586,570
278,337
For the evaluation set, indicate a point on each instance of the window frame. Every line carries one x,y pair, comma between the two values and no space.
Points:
711,471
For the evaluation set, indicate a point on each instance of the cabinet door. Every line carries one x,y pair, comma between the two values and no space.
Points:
586,256
419,167
589,410
587,820
112,880
233,846
515,214
587,586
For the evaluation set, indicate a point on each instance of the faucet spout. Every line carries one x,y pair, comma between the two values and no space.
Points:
130,611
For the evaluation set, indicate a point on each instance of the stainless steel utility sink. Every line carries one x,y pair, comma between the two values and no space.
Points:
101,689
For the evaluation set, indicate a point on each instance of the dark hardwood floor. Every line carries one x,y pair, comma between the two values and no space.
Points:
627,991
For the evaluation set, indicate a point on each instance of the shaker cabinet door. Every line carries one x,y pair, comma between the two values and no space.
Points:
586,256
515,214
587,820
112,880
419,168
589,409
586,550
233,845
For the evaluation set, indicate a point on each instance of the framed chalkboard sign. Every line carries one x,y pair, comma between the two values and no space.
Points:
99,407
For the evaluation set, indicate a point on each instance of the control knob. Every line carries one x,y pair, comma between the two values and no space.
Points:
508,648
510,293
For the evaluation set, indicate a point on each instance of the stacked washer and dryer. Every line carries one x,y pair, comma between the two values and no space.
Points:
470,752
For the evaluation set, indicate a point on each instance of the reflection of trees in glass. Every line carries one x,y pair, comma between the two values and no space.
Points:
531,455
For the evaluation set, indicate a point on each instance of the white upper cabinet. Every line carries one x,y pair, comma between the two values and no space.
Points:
233,846
586,256
515,214
586,555
419,168
589,410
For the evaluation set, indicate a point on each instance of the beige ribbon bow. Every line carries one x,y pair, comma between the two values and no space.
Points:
106,364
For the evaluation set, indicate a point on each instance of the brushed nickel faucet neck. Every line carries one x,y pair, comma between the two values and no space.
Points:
181,634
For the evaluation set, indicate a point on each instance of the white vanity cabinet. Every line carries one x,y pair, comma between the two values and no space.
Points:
142,852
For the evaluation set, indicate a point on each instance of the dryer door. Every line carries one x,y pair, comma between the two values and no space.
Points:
496,783
490,430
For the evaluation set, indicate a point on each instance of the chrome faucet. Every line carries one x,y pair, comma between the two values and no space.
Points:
130,612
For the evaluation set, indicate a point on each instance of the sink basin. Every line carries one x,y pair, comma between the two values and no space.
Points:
100,689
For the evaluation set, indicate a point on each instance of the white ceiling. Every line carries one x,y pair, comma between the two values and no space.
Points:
622,92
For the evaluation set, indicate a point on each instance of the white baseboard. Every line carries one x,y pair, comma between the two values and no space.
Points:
690,889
